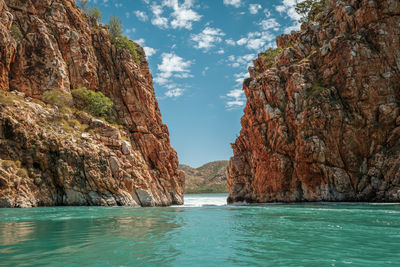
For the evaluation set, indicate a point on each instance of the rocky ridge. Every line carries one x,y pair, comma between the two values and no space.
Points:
322,120
60,156
209,178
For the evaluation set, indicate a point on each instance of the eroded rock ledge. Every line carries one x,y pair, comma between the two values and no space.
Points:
52,156
322,121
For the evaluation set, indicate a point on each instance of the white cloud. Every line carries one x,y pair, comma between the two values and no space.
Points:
253,8
207,38
221,51
289,8
294,27
174,93
241,61
182,15
239,77
230,42
235,3
271,23
256,40
141,15
158,20
140,41
236,98
172,66
149,51
267,13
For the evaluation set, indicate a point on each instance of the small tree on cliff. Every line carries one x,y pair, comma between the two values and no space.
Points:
83,4
95,13
115,28
310,10
120,41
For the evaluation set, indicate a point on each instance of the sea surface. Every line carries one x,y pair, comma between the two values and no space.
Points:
203,232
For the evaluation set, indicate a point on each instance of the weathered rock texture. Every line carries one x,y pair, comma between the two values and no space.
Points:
322,123
60,48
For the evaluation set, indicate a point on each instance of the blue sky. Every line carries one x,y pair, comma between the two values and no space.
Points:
199,52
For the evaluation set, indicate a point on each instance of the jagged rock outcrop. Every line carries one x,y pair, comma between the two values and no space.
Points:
48,159
322,120
209,178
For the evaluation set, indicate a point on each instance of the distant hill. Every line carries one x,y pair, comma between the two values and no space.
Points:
209,178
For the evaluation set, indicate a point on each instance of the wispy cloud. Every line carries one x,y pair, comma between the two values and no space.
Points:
241,61
236,98
253,8
174,93
141,15
270,23
235,3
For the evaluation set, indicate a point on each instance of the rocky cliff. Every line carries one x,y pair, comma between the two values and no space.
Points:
322,121
62,156
209,178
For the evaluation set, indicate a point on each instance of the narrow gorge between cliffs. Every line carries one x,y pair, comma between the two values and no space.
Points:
199,133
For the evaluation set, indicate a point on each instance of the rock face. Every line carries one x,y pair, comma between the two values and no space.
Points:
47,157
322,121
209,178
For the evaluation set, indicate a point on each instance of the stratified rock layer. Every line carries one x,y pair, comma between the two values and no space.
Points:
60,48
322,123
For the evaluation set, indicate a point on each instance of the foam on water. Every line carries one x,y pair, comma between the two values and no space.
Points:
201,200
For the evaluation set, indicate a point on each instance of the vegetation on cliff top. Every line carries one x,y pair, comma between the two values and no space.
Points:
268,56
120,41
311,10
115,28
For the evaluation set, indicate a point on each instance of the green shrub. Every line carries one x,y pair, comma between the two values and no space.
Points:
311,10
16,32
7,164
58,98
95,103
123,42
23,173
120,41
95,13
268,56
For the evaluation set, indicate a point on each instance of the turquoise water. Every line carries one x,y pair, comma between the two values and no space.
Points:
200,234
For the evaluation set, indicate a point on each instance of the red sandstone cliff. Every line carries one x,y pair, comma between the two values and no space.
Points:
322,121
45,156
